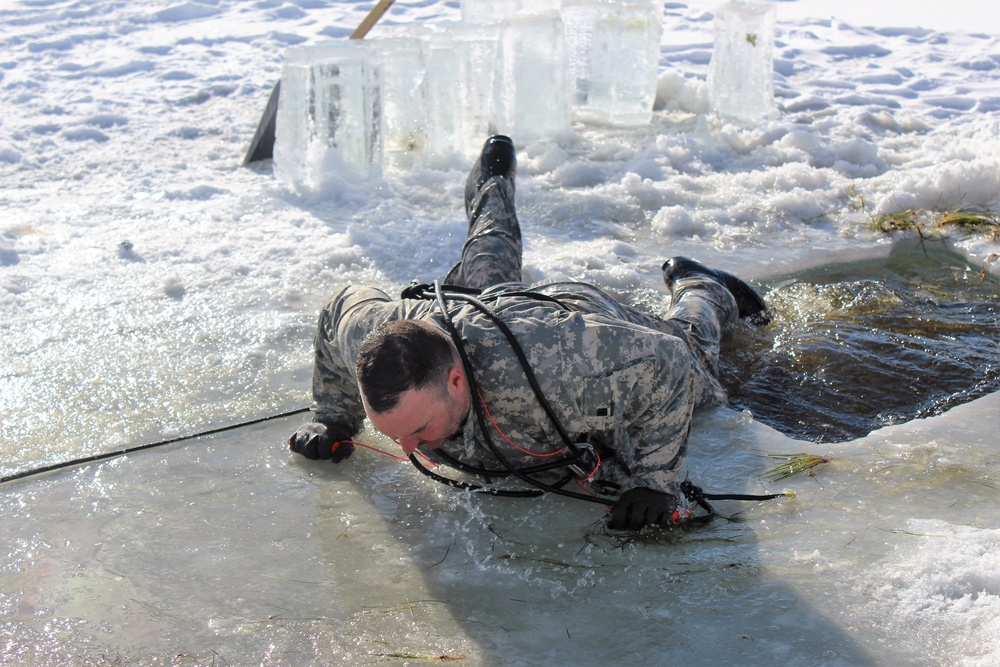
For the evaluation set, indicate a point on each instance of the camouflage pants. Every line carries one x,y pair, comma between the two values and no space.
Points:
492,251
702,311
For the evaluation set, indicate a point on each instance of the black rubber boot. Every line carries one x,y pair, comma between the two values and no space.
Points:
498,158
748,302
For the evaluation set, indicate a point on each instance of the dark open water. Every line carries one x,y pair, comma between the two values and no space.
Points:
854,347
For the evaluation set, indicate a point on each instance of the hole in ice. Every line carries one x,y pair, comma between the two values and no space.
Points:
854,347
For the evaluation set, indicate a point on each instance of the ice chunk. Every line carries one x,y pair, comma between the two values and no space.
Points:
531,95
613,54
328,114
476,54
402,62
457,88
442,121
741,76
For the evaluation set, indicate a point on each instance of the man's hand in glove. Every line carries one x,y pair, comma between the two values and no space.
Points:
322,440
641,507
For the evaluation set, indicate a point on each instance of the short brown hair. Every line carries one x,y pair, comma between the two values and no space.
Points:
401,355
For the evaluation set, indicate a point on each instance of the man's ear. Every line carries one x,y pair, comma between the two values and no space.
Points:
456,378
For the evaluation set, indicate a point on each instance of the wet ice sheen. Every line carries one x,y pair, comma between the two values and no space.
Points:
356,563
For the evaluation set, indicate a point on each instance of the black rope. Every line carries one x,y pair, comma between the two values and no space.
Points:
476,488
128,450
488,473
484,428
436,291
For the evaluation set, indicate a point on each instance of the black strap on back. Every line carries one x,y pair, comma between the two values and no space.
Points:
579,455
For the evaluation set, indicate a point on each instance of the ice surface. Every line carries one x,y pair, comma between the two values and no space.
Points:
227,546
741,77
613,58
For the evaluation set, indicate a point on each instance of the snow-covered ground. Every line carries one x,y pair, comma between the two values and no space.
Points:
151,287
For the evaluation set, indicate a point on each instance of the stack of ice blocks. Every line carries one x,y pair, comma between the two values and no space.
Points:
592,60
420,95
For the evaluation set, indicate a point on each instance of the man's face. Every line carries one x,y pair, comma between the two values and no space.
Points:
426,417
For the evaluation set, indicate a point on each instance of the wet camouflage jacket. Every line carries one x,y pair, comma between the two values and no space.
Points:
627,386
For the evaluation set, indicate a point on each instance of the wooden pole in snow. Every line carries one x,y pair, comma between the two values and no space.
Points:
373,16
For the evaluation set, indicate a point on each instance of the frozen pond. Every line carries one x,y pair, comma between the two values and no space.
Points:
223,548
227,548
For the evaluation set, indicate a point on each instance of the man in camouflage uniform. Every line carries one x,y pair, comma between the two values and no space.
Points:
617,382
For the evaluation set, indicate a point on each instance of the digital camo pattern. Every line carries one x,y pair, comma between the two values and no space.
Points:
614,376
492,251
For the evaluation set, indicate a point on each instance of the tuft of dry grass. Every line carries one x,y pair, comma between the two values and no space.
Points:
794,464
901,221
931,224
972,222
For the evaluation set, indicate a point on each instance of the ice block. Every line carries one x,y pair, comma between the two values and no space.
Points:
613,56
741,75
532,101
403,67
328,114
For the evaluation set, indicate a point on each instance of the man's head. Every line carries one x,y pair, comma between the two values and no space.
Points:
412,383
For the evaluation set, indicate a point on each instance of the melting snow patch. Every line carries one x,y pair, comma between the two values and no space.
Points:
9,155
198,192
174,288
106,120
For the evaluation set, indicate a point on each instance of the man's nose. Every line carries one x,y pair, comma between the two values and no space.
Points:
409,444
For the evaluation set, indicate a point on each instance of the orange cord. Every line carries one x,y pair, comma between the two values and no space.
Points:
395,456
529,453
502,435
508,440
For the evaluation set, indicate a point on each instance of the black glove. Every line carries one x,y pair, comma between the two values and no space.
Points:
322,440
640,507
